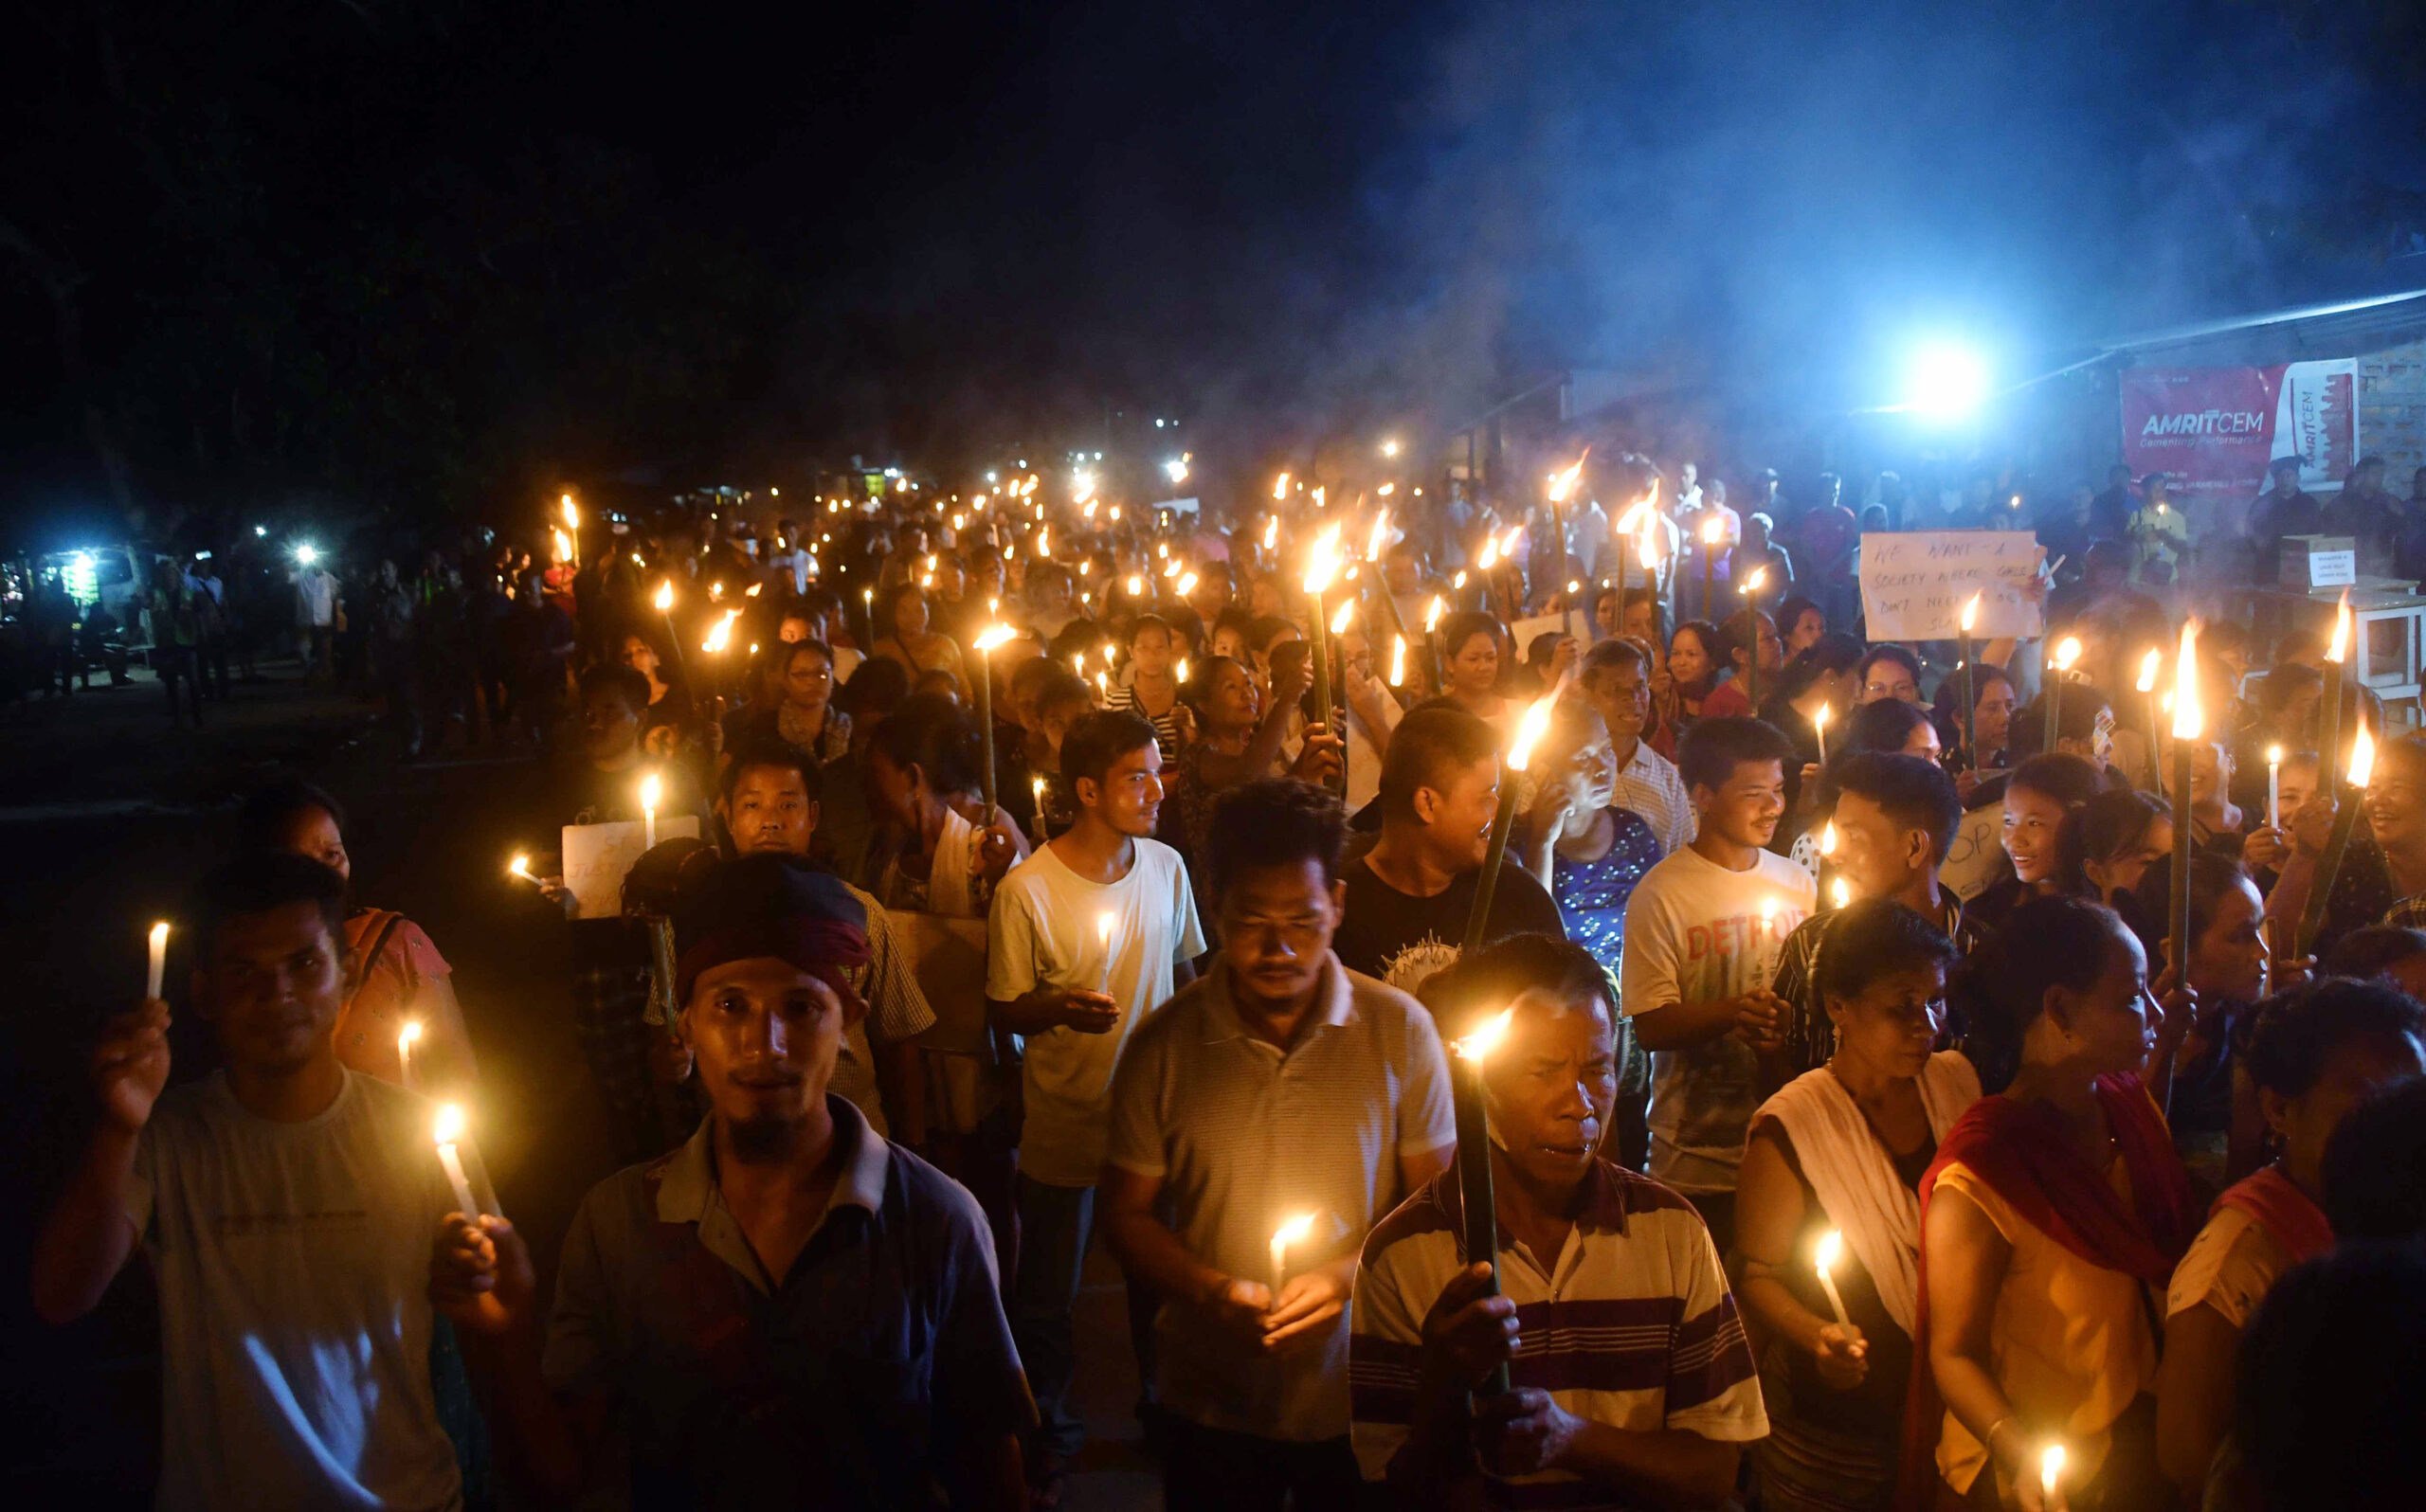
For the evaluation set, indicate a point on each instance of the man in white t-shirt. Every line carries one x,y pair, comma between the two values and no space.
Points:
285,1205
317,603
1089,935
1703,932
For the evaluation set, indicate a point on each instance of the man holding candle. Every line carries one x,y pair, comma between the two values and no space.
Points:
1703,931
1077,996
786,1310
1282,1084
1631,1379
285,1205
1410,895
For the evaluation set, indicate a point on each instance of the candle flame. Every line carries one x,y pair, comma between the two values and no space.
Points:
651,790
1293,1232
1379,538
1537,719
1398,660
1753,583
1136,585
1279,491
2050,1467
1485,1038
449,1126
664,596
1272,528
2274,755
2187,723
1432,614
1970,614
2149,667
1830,1249
519,866
1183,668
2363,757
1459,580
159,936
721,634
752,591
2067,652
1324,564
1820,716
1828,839
409,1034
993,636
1843,892
1103,929
2340,646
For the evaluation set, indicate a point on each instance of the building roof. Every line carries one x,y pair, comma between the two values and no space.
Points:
2277,336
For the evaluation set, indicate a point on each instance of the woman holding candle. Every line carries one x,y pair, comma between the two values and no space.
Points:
2312,1055
1842,1148
2049,1209
394,975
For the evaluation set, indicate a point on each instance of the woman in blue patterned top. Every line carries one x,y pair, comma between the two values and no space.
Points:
1588,851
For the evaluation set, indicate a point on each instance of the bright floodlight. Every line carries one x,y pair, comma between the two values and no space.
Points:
307,554
1177,469
1948,380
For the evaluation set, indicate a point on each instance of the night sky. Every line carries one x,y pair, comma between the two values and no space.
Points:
427,257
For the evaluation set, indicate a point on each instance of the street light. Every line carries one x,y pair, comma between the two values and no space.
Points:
1390,449
1947,381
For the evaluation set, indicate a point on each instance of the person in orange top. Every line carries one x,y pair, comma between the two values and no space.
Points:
2315,1053
2050,1211
394,974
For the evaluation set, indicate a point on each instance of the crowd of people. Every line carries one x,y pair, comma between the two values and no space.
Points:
1019,879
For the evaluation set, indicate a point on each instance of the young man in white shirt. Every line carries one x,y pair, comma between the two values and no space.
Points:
1616,682
1282,1084
1088,936
1703,932
286,1204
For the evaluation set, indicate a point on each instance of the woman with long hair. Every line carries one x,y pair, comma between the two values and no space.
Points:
1477,653
2042,792
2228,974
1695,658
2313,1055
669,716
1842,1148
802,675
2051,1207
902,635
1240,736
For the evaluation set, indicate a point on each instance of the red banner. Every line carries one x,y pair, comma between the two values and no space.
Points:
2215,430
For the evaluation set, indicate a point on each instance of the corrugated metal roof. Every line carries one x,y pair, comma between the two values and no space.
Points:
2302,328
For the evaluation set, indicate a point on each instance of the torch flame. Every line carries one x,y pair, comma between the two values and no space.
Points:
2186,721
2340,646
564,546
665,600
721,634
1398,660
1339,621
1563,483
1713,529
1828,839
1379,538
1490,556
2067,652
1970,614
2149,667
1432,614
1753,584
2363,757
1324,564
1272,529
1279,490
572,515
1843,892
1187,584
1536,720
1485,1038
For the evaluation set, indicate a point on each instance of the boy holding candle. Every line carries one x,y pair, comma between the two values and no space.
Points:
1703,934
1280,1086
1631,1380
1052,976
285,1205
785,1311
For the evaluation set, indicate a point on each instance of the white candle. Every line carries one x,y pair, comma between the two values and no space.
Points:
405,1038
1819,731
1282,1238
2051,1469
650,791
156,971
521,866
1823,1259
449,1131
2273,787
1103,934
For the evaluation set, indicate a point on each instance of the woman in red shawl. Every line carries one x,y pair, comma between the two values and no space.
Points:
2315,1053
2050,1222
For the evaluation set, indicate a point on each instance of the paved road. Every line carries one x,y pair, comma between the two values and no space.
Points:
106,814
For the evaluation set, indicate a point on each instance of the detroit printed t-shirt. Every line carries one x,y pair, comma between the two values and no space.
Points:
1694,931
1044,932
294,1269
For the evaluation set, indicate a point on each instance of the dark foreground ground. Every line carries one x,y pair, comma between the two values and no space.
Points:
106,814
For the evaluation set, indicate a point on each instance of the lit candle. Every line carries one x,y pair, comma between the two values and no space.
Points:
2337,655
664,601
1288,1234
2273,787
651,789
1036,786
2066,654
1320,568
405,1038
156,971
994,636
521,866
1819,731
2362,765
1841,893
2051,1469
1752,591
1398,661
1828,839
450,1132
1823,1259
1970,705
1764,957
1468,1100
1536,720
2150,665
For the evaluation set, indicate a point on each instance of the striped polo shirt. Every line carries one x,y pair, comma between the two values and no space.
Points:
1633,1326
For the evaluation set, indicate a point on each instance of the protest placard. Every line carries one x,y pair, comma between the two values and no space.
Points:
1915,583
598,857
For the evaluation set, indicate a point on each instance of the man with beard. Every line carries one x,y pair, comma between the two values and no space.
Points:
1089,935
283,1203
785,1311
1635,1385
1408,897
1279,1084
1703,934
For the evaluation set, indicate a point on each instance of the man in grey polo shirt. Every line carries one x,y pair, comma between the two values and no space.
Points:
787,1311
1282,1087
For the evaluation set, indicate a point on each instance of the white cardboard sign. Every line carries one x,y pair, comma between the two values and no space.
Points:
1915,583
599,856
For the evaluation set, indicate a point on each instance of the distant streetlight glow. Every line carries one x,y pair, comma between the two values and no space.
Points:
1947,381
1389,448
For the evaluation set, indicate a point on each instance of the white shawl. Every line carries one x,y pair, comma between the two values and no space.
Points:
1853,1178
